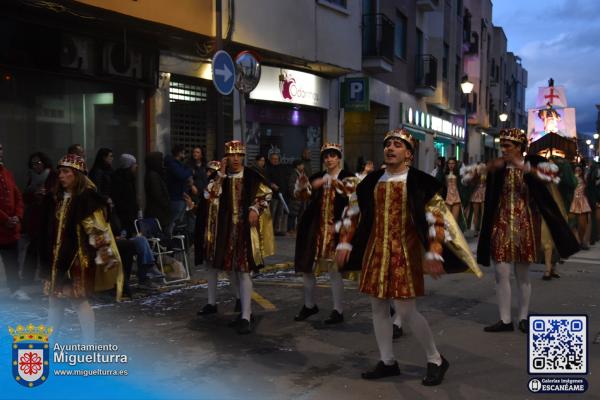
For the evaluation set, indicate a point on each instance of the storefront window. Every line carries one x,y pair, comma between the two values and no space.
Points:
48,113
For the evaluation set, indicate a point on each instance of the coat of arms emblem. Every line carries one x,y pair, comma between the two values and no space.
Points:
30,354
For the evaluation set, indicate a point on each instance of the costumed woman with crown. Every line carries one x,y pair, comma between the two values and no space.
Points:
403,230
516,200
316,237
238,228
85,258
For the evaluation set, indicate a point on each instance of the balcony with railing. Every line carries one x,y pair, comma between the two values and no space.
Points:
378,43
426,75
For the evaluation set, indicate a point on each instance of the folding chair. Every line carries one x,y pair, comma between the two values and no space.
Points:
162,246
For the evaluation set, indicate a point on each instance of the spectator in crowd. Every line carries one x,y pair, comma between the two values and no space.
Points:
260,163
438,170
179,177
297,204
101,172
307,162
124,194
364,168
197,164
277,176
76,149
41,182
11,215
157,195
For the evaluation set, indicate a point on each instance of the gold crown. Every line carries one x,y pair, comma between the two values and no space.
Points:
234,147
331,146
30,332
73,161
402,134
214,165
514,135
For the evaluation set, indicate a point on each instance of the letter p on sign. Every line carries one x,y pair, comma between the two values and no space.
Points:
356,91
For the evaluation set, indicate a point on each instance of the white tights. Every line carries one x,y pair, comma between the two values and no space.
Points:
382,324
337,290
503,289
245,287
85,313
212,277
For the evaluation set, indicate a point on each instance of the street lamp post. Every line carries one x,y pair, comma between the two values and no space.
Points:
467,88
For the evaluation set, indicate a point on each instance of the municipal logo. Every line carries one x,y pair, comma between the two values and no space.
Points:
30,354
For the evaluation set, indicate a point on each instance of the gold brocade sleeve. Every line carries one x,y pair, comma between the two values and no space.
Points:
454,239
109,270
263,239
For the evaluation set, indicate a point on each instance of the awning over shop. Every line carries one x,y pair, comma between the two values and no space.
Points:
443,139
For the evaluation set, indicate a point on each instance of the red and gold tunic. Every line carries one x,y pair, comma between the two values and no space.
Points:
513,239
326,237
392,264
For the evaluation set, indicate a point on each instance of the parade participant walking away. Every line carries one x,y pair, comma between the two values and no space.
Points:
580,208
475,176
84,254
403,231
244,230
515,198
11,216
316,237
452,194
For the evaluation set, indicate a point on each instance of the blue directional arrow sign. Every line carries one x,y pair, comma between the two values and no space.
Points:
223,72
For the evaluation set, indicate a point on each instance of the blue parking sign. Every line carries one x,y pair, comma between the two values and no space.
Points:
355,94
223,72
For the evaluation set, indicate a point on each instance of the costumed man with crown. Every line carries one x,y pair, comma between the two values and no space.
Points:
239,230
403,230
316,238
516,201
85,258
205,232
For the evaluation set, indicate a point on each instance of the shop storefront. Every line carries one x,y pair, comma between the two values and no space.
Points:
286,114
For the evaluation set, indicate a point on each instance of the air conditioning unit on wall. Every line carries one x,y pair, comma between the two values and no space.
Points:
120,60
76,52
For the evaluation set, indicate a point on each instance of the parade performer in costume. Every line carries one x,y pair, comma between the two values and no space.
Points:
205,233
85,258
239,231
580,208
475,176
316,237
515,199
403,231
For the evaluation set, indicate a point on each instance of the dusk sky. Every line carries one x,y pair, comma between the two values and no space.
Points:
558,39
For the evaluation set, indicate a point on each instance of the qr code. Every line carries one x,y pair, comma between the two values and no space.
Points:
558,344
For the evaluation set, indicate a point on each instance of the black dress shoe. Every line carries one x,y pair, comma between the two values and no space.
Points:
207,310
335,318
555,274
524,326
435,373
238,305
244,326
306,312
546,277
398,332
500,327
381,371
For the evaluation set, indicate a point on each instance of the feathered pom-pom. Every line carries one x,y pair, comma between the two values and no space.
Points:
430,218
338,226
